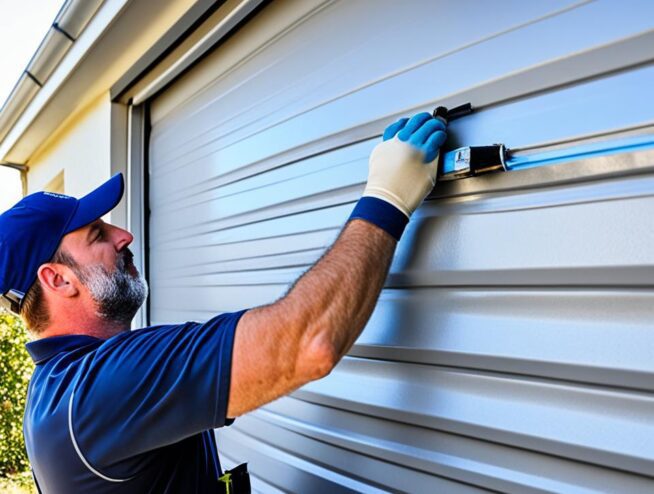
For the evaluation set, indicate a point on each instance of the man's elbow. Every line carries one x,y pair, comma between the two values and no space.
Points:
318,360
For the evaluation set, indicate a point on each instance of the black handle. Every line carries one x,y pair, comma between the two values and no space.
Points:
448,115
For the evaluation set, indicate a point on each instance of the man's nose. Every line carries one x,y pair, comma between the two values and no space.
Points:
122,238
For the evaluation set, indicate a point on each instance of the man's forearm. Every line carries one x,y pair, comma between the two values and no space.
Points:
334,299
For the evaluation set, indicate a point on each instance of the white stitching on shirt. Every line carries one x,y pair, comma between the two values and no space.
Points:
79,452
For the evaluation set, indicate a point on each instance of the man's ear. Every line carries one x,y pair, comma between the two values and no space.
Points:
58,279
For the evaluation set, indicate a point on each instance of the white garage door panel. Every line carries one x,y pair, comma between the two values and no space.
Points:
210,259
601,102
512,349
566,420
326,173
524,243
596,336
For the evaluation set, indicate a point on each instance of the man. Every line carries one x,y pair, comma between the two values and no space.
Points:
113,410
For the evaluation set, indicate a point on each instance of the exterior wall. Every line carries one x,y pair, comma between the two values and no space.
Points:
88,148
10,187
80,148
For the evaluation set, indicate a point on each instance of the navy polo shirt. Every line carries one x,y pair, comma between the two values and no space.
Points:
134,413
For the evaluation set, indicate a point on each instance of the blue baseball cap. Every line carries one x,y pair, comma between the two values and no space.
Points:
31,231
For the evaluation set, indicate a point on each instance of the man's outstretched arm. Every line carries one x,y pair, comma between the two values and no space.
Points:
302,336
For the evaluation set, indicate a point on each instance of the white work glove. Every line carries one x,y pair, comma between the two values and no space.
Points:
402,172
402,168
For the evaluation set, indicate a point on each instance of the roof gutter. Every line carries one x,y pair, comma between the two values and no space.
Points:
69,23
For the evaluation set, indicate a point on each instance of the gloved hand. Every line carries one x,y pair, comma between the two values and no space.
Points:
402,171
402,168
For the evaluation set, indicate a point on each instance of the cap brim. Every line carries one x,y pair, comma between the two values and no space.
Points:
97,203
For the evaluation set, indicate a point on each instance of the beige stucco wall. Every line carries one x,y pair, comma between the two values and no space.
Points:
80,147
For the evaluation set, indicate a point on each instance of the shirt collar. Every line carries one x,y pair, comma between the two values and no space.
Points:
46,348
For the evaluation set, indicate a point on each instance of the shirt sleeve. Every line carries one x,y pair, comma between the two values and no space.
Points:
149,388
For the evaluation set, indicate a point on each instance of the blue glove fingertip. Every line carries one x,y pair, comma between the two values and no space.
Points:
420,137
414,124
394,128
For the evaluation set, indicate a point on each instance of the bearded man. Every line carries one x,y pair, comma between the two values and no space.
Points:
111,410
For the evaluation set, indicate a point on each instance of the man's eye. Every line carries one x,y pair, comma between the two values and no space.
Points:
99,236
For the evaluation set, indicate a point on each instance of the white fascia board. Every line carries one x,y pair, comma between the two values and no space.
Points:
91,34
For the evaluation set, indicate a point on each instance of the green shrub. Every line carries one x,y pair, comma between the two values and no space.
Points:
19,483
16,367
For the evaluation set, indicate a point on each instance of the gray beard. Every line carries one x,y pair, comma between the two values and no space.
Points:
118,295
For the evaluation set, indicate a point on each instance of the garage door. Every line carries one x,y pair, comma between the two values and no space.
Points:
512,348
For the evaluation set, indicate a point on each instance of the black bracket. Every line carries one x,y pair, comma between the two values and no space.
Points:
448,115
